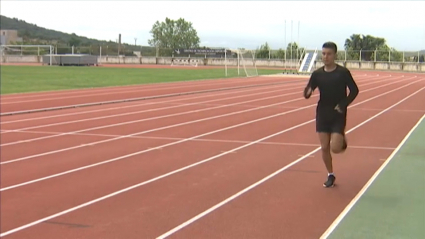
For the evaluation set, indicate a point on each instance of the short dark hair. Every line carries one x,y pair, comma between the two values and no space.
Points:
330,45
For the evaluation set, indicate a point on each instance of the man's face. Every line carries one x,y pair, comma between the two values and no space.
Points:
328,56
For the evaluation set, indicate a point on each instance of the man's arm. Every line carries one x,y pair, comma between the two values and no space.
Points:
311,86
354,91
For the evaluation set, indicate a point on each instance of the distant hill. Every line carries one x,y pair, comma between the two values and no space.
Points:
36,35
33,34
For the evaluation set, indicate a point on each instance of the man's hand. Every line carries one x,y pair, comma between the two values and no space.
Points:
337,108
307,92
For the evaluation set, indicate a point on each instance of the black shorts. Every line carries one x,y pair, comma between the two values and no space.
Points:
330,121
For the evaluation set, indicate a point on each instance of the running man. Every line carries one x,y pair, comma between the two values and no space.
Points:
332,81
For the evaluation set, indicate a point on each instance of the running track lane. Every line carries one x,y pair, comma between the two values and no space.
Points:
23,102
84,114
153,107
284,126
19,122
73,143
94,153
292,204
38,100
100,110
12,141
40,143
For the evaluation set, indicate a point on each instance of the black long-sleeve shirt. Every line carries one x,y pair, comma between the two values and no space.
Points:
333,87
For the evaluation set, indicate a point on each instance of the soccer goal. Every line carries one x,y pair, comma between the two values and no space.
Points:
26,53
246,62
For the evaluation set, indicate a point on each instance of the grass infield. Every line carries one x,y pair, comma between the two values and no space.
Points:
20,79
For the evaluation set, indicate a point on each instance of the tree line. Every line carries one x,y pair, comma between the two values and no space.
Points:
173,34
35,35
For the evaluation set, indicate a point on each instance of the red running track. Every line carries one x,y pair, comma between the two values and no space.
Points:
193,165
65,98
13,103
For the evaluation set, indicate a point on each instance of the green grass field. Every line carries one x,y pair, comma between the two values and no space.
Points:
17,79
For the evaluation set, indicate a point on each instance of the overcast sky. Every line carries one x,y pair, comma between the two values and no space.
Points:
233,24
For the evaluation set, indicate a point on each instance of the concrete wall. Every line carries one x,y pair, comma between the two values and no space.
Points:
10,36
396,66
21,59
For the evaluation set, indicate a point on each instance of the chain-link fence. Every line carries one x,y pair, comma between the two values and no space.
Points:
285,55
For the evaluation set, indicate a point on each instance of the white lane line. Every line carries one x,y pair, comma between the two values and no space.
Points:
134,134
288,87
132,105
144,151
205,140
153,118
341,216
165,145
180,124
121,89
211,209
130,90
136,121
154,109
193,165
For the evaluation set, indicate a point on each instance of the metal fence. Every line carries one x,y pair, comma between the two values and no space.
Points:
281,54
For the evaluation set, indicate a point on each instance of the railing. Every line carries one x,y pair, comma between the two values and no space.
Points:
281,54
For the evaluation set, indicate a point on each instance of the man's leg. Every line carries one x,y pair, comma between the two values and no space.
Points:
338,143
338,139
324,132
325,139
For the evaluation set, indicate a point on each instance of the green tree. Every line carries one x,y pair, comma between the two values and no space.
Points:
74,41
369,46
263,52
385,53
173,34
295,53
279,54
